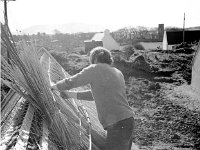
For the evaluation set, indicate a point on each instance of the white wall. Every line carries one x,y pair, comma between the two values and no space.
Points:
108,41
165,43
196,70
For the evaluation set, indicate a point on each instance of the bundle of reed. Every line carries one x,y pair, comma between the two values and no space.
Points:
55,72
26,77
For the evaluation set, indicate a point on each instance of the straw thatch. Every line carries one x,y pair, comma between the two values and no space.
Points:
25,75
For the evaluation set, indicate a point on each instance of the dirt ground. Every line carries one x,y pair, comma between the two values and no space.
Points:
166,111
166,117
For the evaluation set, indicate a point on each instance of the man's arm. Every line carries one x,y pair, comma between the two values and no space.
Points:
80,79
81,95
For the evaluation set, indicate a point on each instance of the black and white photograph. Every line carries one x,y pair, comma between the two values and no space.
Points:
100,74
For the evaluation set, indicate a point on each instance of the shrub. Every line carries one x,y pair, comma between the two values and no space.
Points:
138,46
128,51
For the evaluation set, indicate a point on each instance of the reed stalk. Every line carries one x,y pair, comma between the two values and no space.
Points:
26,76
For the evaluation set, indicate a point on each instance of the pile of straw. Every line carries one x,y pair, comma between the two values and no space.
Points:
25,76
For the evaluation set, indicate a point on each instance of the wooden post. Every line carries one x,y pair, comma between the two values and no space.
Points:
184,28
6,23
5,13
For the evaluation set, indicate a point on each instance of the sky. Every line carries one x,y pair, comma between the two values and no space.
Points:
111,14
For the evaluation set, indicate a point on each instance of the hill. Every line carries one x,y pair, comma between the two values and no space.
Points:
194,28
63,28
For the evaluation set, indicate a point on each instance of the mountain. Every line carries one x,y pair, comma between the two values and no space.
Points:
64,28
194,28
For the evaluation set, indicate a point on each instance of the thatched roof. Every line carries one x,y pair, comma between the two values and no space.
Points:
56,113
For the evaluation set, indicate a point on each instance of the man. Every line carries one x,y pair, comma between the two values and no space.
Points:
108,90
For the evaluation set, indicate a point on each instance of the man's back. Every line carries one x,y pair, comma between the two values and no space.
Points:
108,88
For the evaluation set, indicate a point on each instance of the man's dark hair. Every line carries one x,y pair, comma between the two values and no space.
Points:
102,55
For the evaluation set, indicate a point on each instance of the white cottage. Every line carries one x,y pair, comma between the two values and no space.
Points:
102,39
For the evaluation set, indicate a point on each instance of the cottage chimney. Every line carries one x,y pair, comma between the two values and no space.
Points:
160,32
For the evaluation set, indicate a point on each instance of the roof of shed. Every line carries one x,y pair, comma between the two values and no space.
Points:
176,37
98,36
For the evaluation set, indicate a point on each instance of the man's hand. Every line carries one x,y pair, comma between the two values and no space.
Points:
54,87
64,95
68,94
